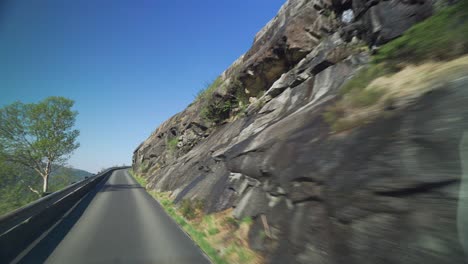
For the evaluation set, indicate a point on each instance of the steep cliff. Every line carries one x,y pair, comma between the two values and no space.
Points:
340,166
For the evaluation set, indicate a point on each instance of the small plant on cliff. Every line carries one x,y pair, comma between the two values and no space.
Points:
214,108
210,88
217,110
144,166
239,92
172,144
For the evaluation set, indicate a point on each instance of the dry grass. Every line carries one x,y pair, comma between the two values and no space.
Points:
231,240
361,106
413,81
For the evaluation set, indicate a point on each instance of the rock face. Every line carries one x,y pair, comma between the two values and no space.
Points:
386,192
381,21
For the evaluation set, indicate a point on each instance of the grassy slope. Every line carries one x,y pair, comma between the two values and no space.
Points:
220,236
442,37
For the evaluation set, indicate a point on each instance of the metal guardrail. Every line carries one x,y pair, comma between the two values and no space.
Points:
22,226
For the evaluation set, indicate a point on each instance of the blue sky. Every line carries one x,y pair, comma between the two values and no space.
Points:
129,65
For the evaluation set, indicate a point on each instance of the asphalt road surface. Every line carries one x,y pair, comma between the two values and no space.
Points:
117,222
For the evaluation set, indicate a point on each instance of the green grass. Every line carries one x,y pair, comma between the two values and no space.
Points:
210,88
142,181
172,144
209,220
197,236
213,231
243,255
247,220
365,76
442,36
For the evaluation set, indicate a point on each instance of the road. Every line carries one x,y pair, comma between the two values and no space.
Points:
117,222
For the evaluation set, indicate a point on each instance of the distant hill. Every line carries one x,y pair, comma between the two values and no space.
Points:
62,177
76,173
14,182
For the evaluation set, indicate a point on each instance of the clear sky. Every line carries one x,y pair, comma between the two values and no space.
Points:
128,64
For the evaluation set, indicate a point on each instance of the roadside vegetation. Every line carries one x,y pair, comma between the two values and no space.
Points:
220,236
215,108
419,58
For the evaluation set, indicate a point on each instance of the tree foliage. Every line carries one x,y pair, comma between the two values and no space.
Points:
14,186
38,136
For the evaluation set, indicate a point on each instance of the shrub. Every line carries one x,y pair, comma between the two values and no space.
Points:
217,110
190,209
231,222
213,231
239,92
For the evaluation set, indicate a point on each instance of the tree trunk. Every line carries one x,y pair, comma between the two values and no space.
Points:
46,178
46,184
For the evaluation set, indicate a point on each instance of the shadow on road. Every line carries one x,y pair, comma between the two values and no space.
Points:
119,187
47,245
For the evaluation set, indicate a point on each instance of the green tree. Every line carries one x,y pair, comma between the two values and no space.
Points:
38,136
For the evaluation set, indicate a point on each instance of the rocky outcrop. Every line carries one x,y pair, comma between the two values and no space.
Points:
381,192
387,191
297,29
